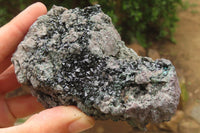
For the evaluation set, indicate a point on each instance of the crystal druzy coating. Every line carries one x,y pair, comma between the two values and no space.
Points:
76,57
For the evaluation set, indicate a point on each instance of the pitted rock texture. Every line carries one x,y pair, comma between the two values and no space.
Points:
76,57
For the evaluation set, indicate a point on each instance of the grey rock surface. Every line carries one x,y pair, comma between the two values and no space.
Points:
76,57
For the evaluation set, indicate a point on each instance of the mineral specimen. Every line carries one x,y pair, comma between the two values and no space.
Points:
76,57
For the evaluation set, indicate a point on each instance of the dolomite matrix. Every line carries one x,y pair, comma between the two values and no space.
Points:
76,57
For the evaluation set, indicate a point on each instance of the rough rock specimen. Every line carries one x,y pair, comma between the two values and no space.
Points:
76,57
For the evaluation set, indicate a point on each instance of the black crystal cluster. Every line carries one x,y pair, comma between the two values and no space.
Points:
76,57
